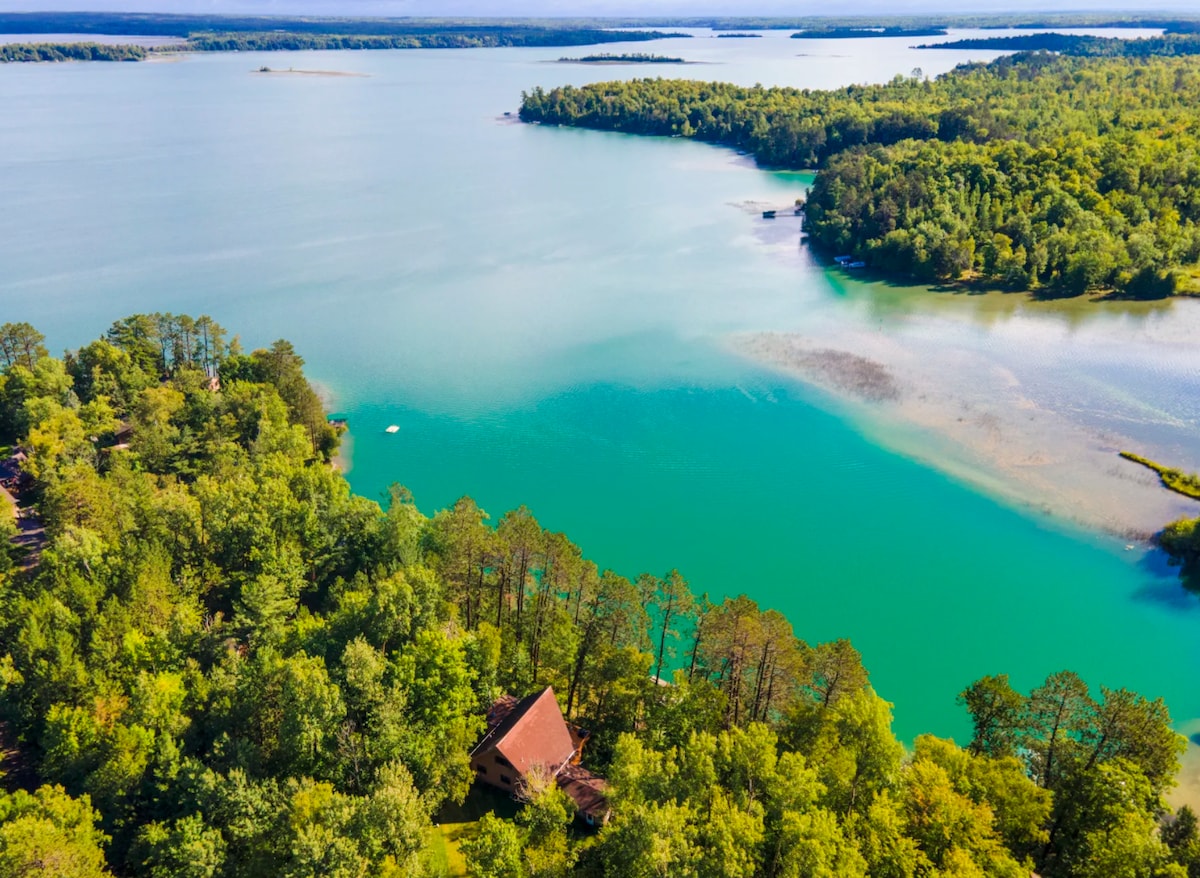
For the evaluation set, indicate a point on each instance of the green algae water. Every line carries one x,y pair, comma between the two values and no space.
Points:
544,314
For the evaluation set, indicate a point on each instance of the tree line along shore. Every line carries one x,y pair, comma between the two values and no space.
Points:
224,663
225,33
1057,174
294,42
1180,539
183,25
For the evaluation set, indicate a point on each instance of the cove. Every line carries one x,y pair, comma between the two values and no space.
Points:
543,314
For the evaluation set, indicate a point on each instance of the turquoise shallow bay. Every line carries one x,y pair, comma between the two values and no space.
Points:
543,314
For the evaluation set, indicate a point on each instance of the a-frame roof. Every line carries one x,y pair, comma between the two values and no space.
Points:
533,733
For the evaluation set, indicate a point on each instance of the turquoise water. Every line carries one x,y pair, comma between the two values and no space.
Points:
543,314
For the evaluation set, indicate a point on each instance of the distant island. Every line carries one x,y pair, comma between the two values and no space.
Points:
451,38
292,71
1177,44
858,33
739,36
634,58
214,33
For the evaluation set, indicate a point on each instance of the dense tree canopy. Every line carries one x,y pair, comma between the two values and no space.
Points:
225,664
1063,175
70,52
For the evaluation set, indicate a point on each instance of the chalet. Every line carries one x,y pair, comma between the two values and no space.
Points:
529,734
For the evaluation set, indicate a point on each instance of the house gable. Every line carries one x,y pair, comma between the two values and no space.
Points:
530,732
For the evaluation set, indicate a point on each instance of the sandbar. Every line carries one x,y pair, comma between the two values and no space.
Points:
271,71
974,418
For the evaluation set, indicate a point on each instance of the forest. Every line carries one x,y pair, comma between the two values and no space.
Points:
858,33
184,25
1059,175
1083,45
284,41
465,38
10,52
218,33
219,661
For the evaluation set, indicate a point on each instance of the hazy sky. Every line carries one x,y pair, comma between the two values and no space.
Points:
596,7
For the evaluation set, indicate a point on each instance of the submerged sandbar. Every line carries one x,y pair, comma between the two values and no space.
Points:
975,418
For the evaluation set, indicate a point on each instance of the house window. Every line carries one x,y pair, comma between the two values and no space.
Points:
500,759
482,769
504,778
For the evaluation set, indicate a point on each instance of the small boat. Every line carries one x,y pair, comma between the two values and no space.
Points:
392,429
769,214
856,265
842,260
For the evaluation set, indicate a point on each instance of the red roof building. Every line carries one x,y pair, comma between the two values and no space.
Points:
530,734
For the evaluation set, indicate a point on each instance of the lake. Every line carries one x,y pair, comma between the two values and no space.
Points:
546,315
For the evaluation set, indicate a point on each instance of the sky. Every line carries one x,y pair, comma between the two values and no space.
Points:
790,8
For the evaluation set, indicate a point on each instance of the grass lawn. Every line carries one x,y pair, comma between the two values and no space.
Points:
456,823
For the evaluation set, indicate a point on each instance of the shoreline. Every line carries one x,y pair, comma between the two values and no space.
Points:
343,458
980,286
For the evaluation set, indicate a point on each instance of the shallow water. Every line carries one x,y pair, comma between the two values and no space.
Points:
544,313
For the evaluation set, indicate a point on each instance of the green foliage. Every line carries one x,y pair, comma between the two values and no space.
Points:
495,851
230,666
10,52
1175,480
995,709
417,38
1079,44
1106,763
1063,175
50,834
20,344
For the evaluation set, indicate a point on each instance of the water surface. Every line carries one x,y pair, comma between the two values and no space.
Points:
545,313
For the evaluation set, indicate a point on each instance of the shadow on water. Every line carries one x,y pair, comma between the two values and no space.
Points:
1195,738
991,301
1168,589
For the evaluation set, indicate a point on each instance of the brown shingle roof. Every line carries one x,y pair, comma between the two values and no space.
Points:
532,733
585,789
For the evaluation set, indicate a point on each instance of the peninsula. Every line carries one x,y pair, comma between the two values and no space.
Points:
1058,175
